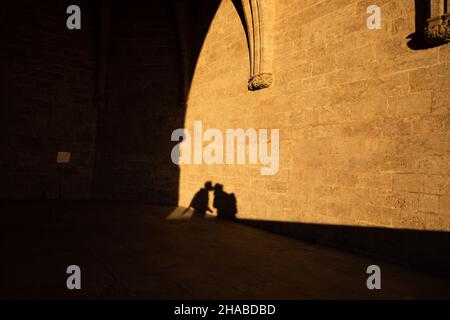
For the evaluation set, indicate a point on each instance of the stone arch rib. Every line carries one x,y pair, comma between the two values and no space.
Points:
259,22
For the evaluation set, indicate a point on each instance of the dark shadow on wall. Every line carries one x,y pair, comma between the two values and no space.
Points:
47,84
416,39
111,94
151,52
421,250
139,110
225,203
193,20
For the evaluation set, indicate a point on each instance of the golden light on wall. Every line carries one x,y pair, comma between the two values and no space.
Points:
363,139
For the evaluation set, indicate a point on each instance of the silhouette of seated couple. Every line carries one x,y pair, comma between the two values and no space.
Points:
225,203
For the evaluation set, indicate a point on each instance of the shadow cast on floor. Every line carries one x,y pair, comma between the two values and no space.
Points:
416,249
421,250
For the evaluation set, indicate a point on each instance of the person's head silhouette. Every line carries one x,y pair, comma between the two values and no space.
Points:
218,187
208,185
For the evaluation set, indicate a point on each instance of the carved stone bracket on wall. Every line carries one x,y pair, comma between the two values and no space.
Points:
259,16
437,26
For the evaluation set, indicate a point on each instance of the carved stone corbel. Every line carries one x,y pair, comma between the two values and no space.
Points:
437,26
259,16
437,29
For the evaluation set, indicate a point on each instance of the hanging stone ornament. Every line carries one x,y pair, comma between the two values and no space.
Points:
259,16
437,26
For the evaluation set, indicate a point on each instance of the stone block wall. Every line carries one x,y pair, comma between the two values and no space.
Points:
109,94
363,117
47,99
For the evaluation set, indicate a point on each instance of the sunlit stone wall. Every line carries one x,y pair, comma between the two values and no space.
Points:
363,118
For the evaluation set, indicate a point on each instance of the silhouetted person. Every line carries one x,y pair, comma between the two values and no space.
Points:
225,203
200,201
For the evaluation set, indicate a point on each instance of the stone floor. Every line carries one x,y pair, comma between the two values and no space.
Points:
148,252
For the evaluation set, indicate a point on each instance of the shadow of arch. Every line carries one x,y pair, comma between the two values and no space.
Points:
194,18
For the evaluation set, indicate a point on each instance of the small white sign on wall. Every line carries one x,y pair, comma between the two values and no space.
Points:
63,157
